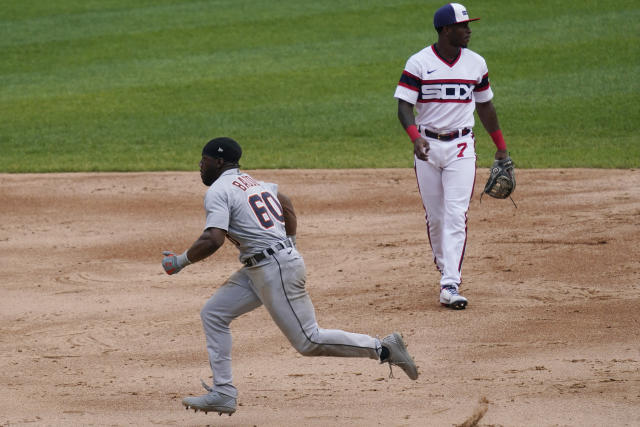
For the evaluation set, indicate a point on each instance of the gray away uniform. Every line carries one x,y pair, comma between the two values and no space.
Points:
252,216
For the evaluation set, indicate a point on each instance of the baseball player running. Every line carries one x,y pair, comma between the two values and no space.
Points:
261,222
445,82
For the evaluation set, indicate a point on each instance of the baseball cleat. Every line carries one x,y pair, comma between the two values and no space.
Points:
450,297
398,355
211,402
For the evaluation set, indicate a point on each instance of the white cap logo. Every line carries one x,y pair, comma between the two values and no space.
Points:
460,12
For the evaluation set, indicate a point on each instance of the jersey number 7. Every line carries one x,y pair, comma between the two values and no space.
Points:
462,146
264,204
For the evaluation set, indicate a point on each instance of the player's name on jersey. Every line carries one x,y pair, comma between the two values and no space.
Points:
244,182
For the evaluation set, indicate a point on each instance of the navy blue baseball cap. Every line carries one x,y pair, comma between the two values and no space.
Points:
451,13
224,148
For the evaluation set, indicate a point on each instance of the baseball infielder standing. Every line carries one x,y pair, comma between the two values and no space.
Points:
261,222
444,82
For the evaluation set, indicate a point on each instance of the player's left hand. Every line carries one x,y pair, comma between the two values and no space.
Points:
170,263
501,154
502,179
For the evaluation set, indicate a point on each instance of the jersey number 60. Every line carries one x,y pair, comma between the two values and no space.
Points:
263,204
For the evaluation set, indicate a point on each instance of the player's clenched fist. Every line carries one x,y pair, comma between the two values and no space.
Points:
173,263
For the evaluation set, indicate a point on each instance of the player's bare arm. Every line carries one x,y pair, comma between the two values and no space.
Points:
489,118
290,218
407,118
207,244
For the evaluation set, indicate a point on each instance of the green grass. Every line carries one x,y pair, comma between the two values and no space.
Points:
106,86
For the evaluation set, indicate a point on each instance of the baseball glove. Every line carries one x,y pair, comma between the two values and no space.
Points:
502,180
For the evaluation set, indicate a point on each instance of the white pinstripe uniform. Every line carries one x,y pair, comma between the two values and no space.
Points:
250,213
444,95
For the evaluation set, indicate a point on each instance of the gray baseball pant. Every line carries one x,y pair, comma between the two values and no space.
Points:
278,283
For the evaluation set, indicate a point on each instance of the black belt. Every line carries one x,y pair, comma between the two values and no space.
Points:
447,136
253,260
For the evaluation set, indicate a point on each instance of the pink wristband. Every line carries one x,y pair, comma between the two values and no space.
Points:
413,133
498,139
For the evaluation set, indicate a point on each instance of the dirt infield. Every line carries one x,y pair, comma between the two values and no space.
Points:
95,333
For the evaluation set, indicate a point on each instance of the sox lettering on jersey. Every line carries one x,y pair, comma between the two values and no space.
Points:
444,93
447,91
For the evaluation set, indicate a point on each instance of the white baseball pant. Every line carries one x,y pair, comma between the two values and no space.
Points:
446,183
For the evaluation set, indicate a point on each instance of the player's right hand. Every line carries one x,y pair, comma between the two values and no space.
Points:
170,263
421,149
